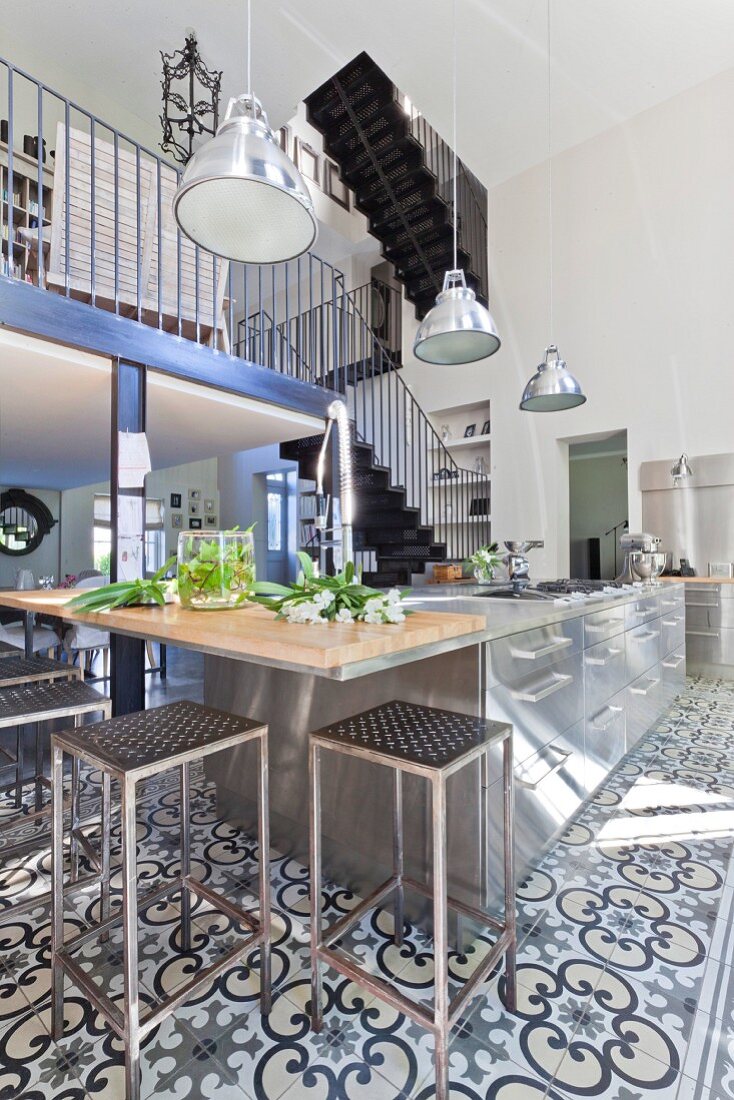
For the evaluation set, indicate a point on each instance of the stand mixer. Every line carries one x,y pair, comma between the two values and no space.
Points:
642,559
517,564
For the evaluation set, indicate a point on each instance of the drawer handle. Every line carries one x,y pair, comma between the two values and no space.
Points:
674,621
678,660
599,628
614,712
558,681
702,634
701,603
533,784
646,637
541,651
645,691
669,603
611,654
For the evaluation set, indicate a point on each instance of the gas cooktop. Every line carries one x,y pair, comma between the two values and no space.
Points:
566,587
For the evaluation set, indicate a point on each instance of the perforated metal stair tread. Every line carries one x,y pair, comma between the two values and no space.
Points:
425,736
155,739
42,702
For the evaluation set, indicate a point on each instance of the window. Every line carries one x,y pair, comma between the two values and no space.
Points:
275,521
154,534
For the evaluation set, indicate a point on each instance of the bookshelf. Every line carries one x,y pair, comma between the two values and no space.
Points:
472,453
15,253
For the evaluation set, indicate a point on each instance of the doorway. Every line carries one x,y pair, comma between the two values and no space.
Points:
598,504
276,504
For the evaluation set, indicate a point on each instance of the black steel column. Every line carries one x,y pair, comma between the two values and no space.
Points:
127,687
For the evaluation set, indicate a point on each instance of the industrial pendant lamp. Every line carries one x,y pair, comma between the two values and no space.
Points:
552,388
240,196
458,329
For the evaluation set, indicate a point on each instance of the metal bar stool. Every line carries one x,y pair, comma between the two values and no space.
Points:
32,703
434,744
8,650
129,749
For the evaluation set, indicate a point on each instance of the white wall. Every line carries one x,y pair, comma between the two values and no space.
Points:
643,223
44,561
242,494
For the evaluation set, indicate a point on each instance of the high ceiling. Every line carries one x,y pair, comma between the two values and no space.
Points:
55,417
611,58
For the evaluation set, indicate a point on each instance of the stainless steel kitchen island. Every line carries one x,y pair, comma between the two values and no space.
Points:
580,684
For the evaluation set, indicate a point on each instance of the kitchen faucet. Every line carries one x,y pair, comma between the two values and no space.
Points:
341,543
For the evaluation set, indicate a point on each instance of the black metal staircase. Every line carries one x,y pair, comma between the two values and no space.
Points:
401,173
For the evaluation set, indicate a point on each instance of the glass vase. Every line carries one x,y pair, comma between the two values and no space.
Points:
216,569
483,574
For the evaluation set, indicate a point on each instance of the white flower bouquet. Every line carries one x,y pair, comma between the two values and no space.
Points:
485,561
340,599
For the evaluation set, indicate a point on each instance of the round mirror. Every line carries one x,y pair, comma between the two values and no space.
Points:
24,522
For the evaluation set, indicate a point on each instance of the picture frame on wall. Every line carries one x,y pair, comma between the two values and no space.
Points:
176,519
194,508
194,523
175,500
335,187
470,430
307,161
485,428
194,494
208,505
210,520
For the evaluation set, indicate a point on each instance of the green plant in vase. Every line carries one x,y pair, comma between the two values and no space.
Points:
484,562
216,569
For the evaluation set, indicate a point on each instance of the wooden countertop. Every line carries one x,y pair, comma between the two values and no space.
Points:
698,580
252,632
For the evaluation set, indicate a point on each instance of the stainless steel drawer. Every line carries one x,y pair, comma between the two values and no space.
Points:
672,596
644,704
603,624
517,655
713,614
549,788
703,595
643,649
709,647
605,739
674,675
541,705
641,611
673,631
605,671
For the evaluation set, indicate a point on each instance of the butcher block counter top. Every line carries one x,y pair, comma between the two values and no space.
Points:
251,633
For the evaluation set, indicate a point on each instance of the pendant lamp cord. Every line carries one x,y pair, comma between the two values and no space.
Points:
249,48
550,177
456,157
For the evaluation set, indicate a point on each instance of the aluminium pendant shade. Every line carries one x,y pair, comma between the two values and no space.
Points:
458,329
241,197
552,388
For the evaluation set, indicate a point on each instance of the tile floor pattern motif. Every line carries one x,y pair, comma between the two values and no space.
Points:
625,968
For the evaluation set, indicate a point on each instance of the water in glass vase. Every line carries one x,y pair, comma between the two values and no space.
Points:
216,569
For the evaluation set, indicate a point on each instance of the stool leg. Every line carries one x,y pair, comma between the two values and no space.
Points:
314,768
73,840
105,854
398,856
39,767
19,765
440,940
185,857
509,846
264,869
57,890
130,941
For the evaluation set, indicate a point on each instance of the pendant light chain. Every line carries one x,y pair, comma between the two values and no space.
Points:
550,175
456,156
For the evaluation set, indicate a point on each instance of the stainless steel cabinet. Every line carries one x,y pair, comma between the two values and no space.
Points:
644,704
644,610
602,625
643,649
710,628
516,655
605,671
605,738
674,675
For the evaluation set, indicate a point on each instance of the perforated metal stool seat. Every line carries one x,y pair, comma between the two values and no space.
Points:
28,703
29,670
128,749
434,744
8,650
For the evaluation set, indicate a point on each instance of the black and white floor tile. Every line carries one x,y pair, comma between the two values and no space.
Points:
625,963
